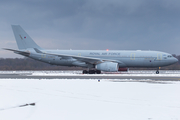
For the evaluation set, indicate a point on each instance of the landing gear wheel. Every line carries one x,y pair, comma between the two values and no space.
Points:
85,72
98,71
157,72
92,72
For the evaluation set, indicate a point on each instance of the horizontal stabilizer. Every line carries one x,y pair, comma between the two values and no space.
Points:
24,53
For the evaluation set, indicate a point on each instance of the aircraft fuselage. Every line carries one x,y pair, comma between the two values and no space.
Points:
125,58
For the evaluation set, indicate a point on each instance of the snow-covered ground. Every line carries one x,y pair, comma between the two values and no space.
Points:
88,99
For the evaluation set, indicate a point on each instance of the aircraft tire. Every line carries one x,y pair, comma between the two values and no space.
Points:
92,72
157,72
85,71
98,72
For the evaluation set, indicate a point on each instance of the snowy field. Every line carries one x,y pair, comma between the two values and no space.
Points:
88,99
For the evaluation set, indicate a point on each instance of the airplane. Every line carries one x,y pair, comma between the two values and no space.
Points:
94,60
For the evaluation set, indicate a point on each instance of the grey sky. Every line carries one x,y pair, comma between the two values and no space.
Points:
93,24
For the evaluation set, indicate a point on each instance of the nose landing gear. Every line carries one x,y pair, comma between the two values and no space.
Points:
157,72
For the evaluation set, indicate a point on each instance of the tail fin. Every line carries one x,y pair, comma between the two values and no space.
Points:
23,40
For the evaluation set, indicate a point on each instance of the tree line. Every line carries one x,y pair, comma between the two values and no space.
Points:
30,64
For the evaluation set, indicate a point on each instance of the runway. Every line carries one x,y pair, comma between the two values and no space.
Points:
164,76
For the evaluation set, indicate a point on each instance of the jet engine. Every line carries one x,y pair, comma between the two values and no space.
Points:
107,66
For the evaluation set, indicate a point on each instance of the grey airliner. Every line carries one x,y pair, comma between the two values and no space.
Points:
94,60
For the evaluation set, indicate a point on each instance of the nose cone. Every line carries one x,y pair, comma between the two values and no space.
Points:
175,60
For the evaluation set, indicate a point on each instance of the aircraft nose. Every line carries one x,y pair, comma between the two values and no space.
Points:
175,60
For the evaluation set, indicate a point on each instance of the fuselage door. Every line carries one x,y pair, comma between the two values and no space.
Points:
132,57
159,56
43,55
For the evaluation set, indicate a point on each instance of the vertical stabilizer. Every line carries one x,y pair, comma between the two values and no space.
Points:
23,40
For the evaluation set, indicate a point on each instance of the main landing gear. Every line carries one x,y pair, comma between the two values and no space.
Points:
91,72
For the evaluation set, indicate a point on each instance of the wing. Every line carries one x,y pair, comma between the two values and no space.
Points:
89,60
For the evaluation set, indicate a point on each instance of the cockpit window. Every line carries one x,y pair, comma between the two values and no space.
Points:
169,55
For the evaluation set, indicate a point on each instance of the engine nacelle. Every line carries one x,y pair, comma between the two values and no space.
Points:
108,66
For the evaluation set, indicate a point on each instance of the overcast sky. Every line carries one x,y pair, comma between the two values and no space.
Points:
93,24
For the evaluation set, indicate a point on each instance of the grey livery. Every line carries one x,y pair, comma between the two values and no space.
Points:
95,60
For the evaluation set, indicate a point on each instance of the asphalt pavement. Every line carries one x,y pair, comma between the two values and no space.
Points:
81,76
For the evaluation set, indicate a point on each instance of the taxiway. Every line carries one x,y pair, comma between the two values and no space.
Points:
46,75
